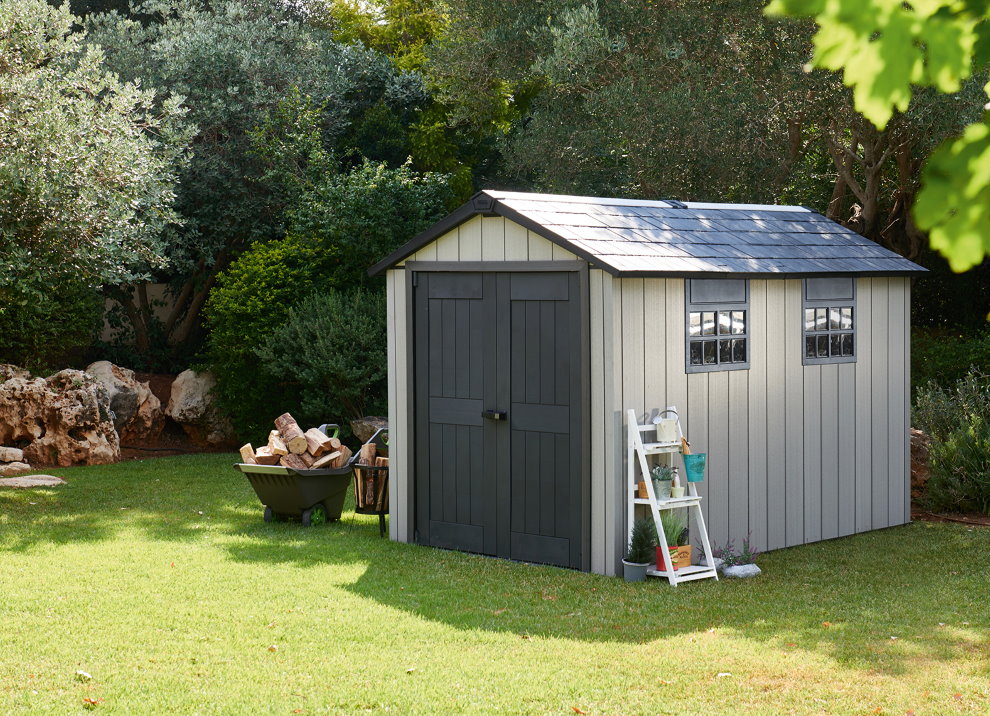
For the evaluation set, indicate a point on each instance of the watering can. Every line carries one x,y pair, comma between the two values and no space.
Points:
668,430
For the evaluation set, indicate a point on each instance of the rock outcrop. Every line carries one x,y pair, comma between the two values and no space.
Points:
136,412
364,428
191,406
61,420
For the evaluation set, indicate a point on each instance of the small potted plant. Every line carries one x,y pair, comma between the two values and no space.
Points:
663,476
675,530
640,553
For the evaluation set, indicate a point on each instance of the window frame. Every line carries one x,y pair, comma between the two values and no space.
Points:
807,303
716,305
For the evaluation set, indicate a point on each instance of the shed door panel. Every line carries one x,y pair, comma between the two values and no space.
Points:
505,342
455,351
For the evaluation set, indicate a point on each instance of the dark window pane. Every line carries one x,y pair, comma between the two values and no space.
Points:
710,352
833,319
810,347
696,353
822,346
809,319
847,344
725,351
821,319
836,349
724,322
739,350
694,324
707,324
846,321
738,321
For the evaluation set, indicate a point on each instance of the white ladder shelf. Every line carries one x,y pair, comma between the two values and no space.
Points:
636,455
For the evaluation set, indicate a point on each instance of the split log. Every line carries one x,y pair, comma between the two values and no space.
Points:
326,460
367,454
291,433
381,462
293,461
342,458
247,455
308,459
264,456
276,444
319,442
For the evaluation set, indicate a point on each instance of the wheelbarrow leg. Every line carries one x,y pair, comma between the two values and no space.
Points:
381,524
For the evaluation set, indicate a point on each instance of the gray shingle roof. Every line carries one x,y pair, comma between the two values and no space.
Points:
637,237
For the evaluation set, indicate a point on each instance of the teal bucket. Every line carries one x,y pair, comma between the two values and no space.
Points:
694,466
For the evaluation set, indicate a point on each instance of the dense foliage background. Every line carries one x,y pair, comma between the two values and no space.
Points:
256,156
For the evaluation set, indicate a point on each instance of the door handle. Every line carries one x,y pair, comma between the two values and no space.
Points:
494,414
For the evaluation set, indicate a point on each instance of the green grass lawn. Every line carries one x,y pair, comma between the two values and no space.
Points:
160,579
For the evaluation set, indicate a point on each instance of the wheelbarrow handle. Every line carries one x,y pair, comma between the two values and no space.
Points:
327,427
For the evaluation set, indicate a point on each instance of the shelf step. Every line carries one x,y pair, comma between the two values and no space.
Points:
660,448
686,574
671,503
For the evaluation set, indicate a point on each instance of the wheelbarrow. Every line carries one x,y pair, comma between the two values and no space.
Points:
371,483
312,496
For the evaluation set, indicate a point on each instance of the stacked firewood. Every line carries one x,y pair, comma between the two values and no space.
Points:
371,485
289,446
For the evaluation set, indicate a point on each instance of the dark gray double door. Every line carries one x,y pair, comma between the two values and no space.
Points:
498,414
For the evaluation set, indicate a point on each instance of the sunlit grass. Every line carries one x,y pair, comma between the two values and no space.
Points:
160,579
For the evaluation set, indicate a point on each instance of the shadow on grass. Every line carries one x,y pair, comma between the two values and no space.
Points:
845,598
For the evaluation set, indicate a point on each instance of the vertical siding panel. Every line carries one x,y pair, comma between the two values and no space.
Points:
400,452
492,238
830,451
812,375
776,415
448,246
559,254
633,345
470,239
539,248
676,378
396,514
696,430
737,463
847,448
880,353
427,253
716,445
614,446
863,399
655,331
793,414
516,242
756,442
598,422
907,397
898,480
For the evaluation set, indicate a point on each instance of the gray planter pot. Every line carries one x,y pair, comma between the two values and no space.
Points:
634,571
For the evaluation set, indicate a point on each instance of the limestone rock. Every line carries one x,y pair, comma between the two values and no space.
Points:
11,454
192,407
61,420
13,468
364,428
32,481
741,571
8,371
137,413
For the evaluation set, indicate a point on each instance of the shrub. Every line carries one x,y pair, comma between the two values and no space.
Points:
642,542
330,351
944,356
731,558
958,422
52,329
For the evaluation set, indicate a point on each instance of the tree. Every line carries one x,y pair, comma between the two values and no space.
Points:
885,49
87,173
233,61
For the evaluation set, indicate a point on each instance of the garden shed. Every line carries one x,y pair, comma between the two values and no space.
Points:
522,327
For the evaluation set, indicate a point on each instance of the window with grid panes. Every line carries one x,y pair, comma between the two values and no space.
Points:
717,324
829,320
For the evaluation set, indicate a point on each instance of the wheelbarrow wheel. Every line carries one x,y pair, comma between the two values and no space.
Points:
315,515
269,515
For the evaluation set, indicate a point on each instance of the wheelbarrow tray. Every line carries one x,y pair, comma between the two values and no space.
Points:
288,492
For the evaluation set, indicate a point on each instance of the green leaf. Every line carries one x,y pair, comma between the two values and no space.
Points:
954,202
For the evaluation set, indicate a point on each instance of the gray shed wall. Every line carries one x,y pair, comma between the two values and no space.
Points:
796,453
